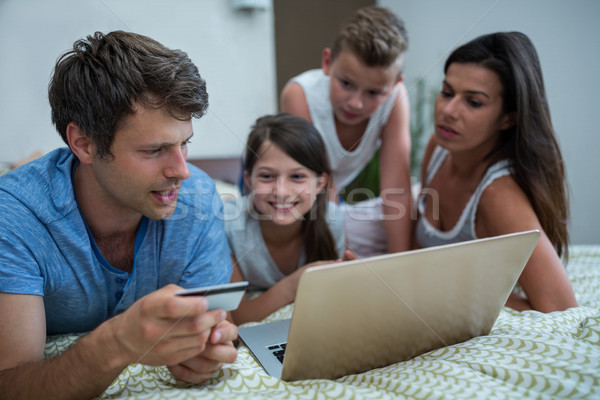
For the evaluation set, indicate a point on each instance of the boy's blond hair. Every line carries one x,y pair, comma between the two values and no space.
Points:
375,35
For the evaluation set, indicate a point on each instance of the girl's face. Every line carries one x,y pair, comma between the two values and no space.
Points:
468,110
283,190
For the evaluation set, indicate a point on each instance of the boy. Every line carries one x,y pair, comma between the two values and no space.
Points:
358,102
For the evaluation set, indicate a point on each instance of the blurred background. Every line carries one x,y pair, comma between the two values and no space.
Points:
248,49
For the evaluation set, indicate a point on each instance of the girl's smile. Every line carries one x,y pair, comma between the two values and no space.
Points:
283,190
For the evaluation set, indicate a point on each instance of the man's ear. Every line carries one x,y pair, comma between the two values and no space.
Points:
326,60
81,145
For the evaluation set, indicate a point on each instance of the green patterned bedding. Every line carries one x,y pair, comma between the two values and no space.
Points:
526,355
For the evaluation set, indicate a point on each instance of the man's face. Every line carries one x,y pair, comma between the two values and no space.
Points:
148,164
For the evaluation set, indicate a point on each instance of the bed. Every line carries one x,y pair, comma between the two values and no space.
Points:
526,355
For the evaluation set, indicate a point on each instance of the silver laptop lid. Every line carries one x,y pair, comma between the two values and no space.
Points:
359,315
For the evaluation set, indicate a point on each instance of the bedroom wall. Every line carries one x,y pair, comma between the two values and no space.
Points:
233,50
565,35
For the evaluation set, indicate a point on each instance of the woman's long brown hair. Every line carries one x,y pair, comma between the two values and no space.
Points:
531,143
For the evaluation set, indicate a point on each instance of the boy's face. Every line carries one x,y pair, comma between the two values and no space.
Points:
356,90
148,165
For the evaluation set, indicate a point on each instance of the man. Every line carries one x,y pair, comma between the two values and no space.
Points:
99,236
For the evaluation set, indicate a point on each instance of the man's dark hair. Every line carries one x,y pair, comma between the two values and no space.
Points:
97,84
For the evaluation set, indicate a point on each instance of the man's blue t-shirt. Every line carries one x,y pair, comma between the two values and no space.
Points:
47,250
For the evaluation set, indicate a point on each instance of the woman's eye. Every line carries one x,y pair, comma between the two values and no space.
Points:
475,103
446,94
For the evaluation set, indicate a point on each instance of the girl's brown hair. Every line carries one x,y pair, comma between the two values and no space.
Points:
300,140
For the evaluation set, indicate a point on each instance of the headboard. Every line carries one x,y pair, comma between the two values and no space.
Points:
227,169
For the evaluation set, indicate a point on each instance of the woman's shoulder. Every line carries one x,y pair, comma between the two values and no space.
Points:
502,189
504,207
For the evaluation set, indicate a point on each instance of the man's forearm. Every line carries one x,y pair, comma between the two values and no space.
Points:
81,372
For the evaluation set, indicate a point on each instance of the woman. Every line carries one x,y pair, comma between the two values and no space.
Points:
493,165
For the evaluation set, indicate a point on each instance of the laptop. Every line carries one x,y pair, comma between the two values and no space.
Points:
354,316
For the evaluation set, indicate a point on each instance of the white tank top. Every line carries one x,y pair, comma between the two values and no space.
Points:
427,234
344,164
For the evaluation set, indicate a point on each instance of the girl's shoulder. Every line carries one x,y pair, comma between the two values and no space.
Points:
234,205
235,213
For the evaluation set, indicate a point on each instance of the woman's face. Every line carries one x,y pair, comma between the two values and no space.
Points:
468,110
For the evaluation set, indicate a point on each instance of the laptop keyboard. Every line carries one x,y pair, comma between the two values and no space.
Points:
278,350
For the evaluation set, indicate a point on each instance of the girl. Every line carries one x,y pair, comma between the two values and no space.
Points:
284,224
493,165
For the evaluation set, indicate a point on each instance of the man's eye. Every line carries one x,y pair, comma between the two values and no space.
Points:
152,152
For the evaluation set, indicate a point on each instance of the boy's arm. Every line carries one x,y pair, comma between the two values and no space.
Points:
293,101
159,329
395,182
428,152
